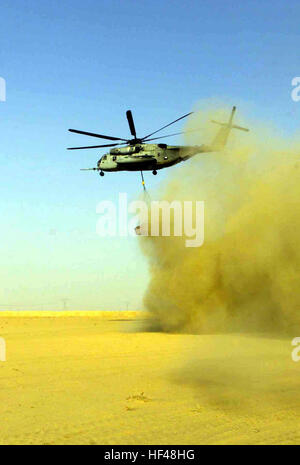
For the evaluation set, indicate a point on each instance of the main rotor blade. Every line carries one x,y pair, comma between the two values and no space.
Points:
101,136
175,121
162,137
93,146
169,135
131,123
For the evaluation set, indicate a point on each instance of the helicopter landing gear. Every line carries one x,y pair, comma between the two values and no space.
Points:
154,172
101,173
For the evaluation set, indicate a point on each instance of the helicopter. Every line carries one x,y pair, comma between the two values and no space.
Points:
140,155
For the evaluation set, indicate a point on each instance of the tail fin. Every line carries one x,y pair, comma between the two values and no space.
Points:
220,140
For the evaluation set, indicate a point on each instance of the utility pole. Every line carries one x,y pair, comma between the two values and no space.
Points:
65,303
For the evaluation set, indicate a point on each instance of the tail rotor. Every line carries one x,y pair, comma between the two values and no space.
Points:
222,136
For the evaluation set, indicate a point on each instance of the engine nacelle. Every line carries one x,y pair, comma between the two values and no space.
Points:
128,150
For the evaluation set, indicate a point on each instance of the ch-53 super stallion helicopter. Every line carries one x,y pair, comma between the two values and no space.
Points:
139,155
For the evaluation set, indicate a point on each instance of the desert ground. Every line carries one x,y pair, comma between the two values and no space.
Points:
103,379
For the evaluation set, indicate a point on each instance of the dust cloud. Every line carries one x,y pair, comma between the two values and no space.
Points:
245,277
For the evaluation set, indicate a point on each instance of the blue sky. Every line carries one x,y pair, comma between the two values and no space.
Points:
83,64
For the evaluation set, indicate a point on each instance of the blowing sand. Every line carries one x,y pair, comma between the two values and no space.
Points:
99,380
247,273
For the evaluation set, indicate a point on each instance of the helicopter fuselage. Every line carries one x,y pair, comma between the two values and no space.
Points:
143,157
137,154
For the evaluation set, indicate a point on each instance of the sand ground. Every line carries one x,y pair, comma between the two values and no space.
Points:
93,380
